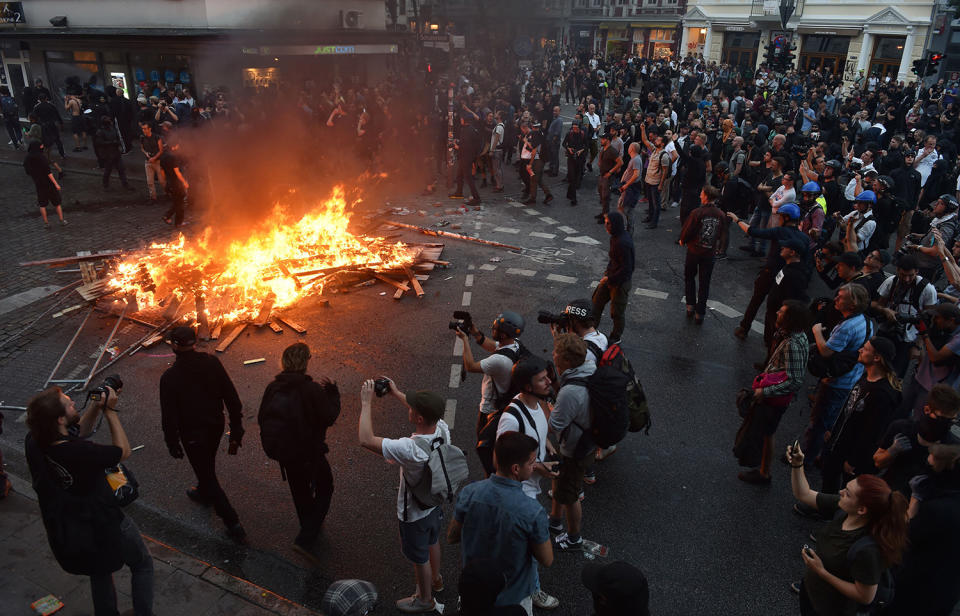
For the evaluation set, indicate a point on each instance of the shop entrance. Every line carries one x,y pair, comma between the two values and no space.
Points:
824,53
740,49
886,56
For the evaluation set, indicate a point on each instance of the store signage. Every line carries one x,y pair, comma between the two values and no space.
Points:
735,28
11,13
440,38
320,50
584,33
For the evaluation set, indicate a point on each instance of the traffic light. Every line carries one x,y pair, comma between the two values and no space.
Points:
919,67
771,56
787,57
934,62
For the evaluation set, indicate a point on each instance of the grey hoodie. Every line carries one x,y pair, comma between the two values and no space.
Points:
573,405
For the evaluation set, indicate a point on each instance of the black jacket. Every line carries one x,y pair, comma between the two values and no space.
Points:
193,392
321,402
620,266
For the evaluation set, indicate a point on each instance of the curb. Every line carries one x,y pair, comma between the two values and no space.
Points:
194,567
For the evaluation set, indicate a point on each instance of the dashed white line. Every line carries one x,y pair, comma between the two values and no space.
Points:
457,347
566,229
513,203
506,230
723,309
561,278
450,412
531,211
487,267
521,272
757,326
546,236
467,296
594,284
455,370
549,220
468,282
582,239
471,267
652,293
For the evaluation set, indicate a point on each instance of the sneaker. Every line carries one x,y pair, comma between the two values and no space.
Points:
740,333
529,201
590,478
472,202
603,454
545,202
455,196
46,226
63,222
415,605
544,601
498,190
563,543
795,588
555,527
754,476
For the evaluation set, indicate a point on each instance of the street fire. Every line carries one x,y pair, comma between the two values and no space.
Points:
281,261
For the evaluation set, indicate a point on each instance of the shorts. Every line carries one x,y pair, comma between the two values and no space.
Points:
769,416
48,195
417,537
567,486
76,125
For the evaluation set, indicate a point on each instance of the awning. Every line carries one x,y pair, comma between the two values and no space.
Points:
654,25
828,31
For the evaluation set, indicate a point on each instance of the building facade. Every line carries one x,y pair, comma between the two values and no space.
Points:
612,28
878,38
143,45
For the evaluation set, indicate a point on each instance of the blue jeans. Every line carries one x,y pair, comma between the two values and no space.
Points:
759,219
827,403
135,556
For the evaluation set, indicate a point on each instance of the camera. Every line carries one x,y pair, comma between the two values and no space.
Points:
548,318
462,320
381,387
925,318
113,381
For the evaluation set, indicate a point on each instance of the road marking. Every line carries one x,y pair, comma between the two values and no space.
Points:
471,267
531,211
506,230
757,326
521,272
560,278
566,229
546,236
455,370
467,296
487,267
582,239
652,293
450,412
469,280
457,347
594,284
549,220
513,203
19,300
723,309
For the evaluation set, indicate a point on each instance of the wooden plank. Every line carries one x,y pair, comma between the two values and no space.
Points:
414,282
57,262
292,325
398,294
233,336
216,331
276,328
265,308
400,285
286,272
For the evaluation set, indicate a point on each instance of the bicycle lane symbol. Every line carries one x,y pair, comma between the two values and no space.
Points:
548,255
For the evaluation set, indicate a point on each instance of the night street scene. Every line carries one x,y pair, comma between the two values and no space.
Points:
480,307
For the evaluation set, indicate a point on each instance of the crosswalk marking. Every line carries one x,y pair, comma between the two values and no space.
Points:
487,267
450,412
468,282
757,326
455,370
566,229
652,293
582,239
546,236
457,347
506,230
548,220
467,296
521,272
531,211
561,278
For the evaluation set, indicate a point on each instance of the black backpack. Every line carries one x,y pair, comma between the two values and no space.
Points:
504,397
285,432
487,437
609,405
841,362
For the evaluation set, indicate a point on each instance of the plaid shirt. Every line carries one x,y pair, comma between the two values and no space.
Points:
790,355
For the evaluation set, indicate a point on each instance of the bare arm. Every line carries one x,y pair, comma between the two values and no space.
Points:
368,440
117,436
454,531
54,180
469,363
798,478
543,552
822,347
186,185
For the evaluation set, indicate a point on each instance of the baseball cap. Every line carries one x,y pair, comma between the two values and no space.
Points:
849,258
885,348
580,309
349,598
885,257
794,244
427,403
183,336
623,586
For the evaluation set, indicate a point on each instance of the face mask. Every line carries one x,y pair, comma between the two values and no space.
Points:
933,429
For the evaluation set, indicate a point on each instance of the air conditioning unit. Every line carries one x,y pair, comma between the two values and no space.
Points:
351,20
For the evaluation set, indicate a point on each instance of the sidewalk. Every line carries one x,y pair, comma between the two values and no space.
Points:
182,584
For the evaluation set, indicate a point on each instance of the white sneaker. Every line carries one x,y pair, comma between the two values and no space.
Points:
605,453
544,601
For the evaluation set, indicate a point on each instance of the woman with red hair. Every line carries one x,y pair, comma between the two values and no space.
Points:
868,534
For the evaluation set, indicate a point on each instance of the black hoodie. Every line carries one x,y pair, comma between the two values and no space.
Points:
620,266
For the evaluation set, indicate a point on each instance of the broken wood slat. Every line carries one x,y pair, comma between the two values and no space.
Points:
94,290
216,332
414,281
265,309
149,342
398,294
286,272
438,262
233,336
57,262
293,325
276,328
400,285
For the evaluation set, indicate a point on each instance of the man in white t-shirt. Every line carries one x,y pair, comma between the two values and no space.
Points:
594,136
419,528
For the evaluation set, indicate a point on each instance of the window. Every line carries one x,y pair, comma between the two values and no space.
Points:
402,9
826,44
955,36
890,47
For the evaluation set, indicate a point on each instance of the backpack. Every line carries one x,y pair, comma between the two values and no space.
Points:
886,587
841,362
504,397
285,433
83,530
9,107
443,474
487,436
636,398
609,410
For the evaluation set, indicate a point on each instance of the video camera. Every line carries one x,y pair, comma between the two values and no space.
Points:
462,320
562,320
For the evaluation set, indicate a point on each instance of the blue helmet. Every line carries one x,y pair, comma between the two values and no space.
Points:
810,187
867,196
791,210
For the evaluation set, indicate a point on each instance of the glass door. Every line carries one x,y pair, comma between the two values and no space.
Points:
18,77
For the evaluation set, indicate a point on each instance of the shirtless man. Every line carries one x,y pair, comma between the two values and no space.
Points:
75,109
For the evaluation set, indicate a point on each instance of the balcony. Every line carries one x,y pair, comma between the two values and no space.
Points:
760,13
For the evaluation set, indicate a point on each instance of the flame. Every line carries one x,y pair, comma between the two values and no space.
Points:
235,281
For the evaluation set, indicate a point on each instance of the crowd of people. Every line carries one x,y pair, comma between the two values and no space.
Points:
829,183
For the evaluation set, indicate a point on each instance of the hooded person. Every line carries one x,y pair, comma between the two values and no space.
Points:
35,165
614,287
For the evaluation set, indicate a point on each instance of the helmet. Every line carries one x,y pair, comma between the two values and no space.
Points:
579,310
867,196
887,181
524,370
791,210
908,153
810,187
509,324
834,164
949,201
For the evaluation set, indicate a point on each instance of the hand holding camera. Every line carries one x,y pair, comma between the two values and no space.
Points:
795,455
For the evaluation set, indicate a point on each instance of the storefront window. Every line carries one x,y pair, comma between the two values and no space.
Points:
889,48
156,73
72,72
826,44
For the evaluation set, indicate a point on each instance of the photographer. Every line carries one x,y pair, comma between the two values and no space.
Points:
944,220
901,299
860,223
504,348
193,392
939,359
86,528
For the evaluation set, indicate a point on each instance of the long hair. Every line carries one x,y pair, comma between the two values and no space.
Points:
886,516
43,412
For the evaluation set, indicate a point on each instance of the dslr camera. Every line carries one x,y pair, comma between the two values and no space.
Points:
381,387
562,321
100,393
461,321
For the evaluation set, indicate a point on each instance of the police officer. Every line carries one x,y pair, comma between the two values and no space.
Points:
193,392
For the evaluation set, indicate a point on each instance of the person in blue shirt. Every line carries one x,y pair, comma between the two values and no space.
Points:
851,301
494,519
